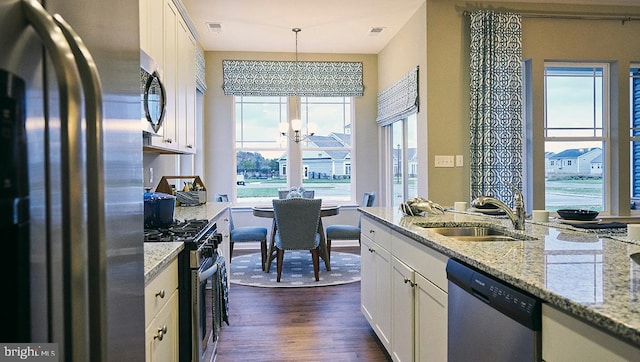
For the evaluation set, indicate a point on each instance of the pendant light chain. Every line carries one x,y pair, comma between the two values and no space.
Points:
297,86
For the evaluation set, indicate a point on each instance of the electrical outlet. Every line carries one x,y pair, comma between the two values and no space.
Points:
459,161
444,161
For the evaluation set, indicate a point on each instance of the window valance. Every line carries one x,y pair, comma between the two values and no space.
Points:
399,100
278,78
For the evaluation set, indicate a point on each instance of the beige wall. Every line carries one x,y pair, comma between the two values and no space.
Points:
406,50
574,40
219,120
543,39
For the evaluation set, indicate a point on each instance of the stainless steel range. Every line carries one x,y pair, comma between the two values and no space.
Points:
200,305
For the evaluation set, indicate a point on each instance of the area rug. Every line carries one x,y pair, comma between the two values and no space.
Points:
297,270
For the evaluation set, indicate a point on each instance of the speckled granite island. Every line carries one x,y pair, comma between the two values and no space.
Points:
586,274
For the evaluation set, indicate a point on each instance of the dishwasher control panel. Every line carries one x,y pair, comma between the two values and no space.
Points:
515,303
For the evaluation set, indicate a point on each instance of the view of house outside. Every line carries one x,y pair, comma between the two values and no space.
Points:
574,179
575,136
261,161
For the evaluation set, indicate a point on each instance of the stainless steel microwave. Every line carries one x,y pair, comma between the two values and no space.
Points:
153,94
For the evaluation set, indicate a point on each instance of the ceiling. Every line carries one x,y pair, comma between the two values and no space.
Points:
328,26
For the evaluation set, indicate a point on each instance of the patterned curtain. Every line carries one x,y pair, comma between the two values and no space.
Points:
201,83
287,78
496,105
399,100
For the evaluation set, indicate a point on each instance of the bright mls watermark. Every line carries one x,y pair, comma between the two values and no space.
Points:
10,352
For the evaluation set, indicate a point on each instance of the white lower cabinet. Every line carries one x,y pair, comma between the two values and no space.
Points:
431,321
411,296
161,315
162,333
402,305
374,290
565,338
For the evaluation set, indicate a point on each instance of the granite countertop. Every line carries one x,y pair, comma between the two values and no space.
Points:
158,255
587,273
209,211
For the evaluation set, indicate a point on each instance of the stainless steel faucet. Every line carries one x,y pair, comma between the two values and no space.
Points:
516,215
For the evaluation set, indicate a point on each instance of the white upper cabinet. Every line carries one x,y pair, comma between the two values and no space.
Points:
165,36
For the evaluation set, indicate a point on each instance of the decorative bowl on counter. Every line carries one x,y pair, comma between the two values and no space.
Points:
577,214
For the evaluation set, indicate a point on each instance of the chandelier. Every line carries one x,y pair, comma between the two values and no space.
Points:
296,123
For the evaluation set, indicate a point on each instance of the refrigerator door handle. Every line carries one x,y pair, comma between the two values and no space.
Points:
95,188
76,318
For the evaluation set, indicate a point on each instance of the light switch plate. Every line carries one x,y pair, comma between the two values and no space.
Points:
444,161
459,161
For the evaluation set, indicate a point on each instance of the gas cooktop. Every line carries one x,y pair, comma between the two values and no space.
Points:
179,231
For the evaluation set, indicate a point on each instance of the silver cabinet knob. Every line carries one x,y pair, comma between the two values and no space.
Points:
161,332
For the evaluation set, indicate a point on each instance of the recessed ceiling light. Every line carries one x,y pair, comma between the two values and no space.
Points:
214,27
376,30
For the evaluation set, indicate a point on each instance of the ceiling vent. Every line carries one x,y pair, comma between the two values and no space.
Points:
214,27
376,30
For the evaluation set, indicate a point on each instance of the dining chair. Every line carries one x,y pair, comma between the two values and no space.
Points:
348,232
297,229
244,233
307,194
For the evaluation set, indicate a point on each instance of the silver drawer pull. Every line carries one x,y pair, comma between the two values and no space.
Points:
412,284
160,293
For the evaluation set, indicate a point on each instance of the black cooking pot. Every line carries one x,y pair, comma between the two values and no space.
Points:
158,209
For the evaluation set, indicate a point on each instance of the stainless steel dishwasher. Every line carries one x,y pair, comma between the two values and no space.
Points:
489,320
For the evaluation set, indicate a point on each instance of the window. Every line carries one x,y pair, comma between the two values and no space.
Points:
404,159
634,102
327,154
261,152
576,135
259,148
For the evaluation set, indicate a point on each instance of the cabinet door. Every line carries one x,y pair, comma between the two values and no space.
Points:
162,333
402,311
168,138
375,288
151,22
430,321
383,295
186,100
565,338
143,9
368,280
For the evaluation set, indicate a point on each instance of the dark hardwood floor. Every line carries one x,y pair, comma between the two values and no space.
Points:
298,324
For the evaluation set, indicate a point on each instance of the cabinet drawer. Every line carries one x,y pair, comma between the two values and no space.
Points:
159,290
161,334
424,260
380,234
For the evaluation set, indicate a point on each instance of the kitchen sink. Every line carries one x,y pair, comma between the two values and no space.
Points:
476,233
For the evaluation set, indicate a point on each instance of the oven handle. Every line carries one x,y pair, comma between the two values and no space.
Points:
207,273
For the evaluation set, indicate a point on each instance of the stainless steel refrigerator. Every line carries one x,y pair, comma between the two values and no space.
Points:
71,178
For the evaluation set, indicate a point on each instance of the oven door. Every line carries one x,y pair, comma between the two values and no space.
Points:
202,307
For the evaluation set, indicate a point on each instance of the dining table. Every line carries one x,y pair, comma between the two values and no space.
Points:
266,211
